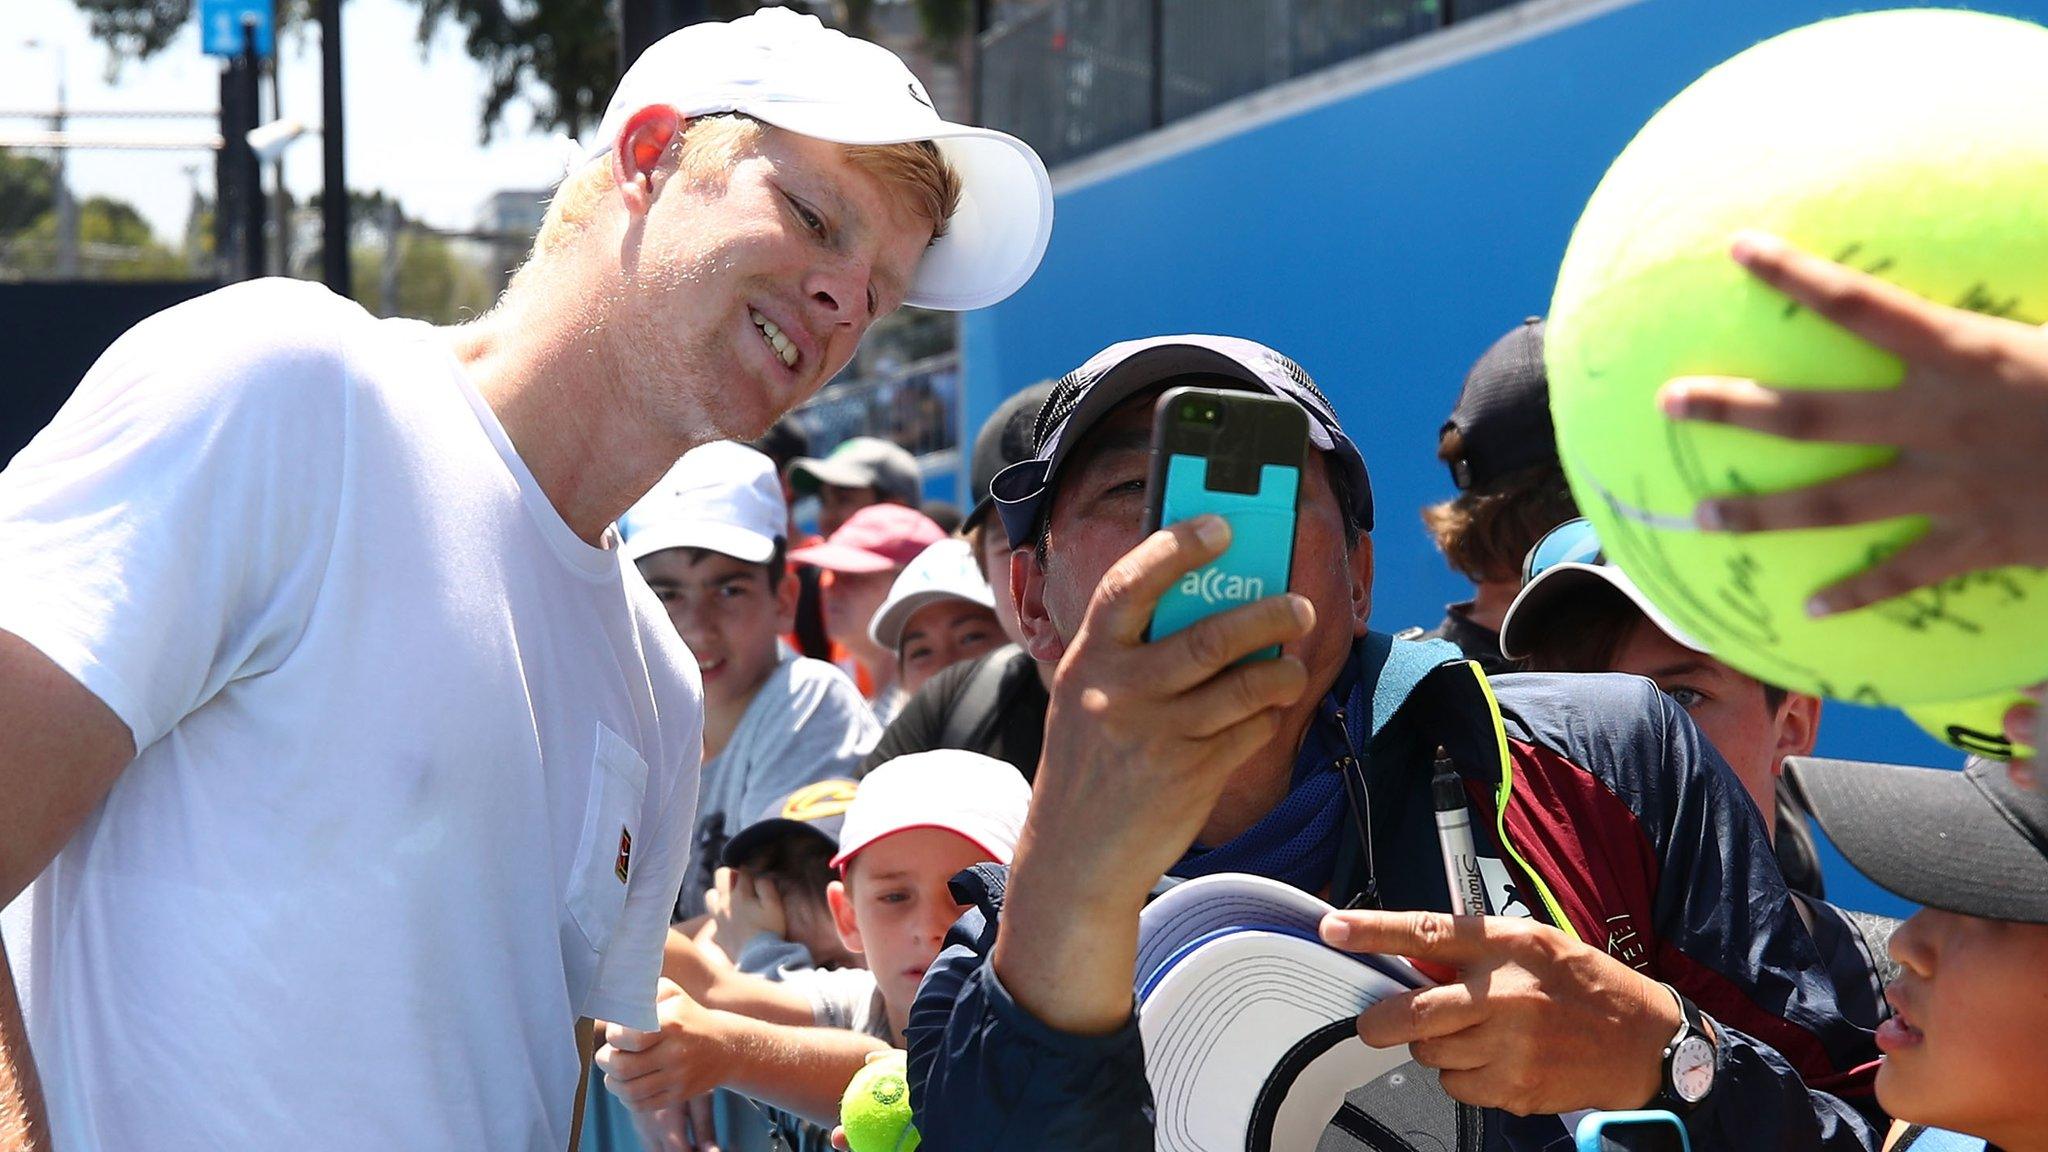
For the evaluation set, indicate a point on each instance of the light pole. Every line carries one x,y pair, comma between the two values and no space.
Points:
67,208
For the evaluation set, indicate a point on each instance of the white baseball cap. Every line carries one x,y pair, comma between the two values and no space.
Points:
978,797
946,570
721,496
789,70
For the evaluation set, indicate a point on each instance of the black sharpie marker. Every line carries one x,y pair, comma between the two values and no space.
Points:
1454,837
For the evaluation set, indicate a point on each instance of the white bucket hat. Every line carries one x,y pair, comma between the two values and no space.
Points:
791,71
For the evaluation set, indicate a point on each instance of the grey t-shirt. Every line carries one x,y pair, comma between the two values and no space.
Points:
806,723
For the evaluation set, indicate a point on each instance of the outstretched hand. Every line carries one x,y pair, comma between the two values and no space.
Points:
1969,419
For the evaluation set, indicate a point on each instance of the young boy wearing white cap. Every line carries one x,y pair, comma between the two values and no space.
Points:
939,612
405,726
914,824
708,540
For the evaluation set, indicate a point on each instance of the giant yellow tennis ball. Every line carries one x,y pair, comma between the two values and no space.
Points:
1975,726
876,1108
1912,144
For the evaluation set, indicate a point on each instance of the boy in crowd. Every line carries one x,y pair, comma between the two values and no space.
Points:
862,559
1502,455
708,540
1579,613
769,898
994,705
862,472
1963,1053
913,825
939,612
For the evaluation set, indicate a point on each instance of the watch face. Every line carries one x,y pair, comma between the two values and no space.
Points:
1692,1069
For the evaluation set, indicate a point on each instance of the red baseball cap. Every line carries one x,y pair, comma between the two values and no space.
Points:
875,539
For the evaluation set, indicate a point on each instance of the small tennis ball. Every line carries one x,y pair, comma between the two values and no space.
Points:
1909,144
1975,726
876,1108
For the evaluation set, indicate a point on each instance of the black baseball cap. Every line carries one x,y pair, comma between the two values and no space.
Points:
1088,393
1972,841
1504,410
1004,439
813,810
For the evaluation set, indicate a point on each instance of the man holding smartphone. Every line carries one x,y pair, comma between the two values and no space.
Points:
1633,918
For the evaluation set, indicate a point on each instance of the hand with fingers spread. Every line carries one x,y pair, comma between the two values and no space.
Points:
1525,1019
1140,740
1969,419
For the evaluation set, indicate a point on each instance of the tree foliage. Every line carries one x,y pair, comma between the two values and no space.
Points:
559,57
28,189
113,241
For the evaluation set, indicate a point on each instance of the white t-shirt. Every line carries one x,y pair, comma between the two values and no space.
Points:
417,766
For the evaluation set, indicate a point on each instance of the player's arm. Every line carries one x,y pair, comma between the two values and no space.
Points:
803,1070
60,751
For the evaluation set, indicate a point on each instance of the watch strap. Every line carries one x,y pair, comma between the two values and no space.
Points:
1691,1022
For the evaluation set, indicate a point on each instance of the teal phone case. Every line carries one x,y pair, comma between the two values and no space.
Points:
1238,455
1261,554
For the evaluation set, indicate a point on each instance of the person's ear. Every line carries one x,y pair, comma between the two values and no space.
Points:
1798,728
1027,585
638,151
842,917
1358,563
787,590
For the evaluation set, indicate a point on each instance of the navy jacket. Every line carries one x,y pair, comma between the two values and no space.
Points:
1605,815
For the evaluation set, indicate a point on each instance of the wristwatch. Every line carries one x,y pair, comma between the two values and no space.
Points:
1689,1061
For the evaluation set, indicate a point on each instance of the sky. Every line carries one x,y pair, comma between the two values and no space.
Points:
411,128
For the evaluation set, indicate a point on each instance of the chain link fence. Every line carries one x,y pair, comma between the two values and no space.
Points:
1075,76
916,405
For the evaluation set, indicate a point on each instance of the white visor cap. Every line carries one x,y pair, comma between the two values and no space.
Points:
789,70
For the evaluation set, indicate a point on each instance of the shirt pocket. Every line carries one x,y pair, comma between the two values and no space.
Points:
611,827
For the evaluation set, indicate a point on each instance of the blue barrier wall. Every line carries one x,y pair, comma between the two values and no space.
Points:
1384,240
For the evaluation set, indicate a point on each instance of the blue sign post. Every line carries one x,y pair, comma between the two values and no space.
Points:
220,26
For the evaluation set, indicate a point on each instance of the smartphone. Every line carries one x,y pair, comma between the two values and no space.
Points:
1644,1131
1238,455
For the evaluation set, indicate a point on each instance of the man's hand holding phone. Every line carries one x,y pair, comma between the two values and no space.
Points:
1141,738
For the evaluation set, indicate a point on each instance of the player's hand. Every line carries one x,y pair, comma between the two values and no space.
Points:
1527,1019
665,1068
747,904
1969,420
